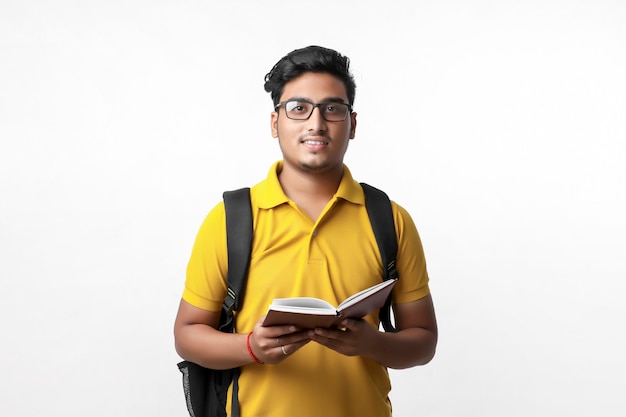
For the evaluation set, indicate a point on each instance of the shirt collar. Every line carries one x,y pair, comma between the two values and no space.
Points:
270,193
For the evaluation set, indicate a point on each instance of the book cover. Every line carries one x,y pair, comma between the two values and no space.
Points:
309,313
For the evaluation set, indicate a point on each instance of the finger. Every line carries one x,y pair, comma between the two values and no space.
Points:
327,333
289,338
274,331
326,338
290,349
351,324
286,327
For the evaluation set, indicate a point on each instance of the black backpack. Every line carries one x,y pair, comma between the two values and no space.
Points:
206,389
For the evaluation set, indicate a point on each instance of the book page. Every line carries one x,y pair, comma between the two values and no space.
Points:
366,301
366,293
302,303
305,312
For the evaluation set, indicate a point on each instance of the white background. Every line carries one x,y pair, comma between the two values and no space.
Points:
499,125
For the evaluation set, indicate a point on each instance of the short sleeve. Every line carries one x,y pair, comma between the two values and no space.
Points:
411,262
205,284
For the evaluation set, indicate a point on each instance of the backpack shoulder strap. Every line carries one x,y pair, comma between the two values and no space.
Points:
239,242
239,229
381,218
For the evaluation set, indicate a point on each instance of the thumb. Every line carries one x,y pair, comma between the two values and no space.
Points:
350,324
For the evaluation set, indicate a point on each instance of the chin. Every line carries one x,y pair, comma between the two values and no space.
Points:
314,167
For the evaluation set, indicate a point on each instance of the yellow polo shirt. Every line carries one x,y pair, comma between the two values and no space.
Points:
294,256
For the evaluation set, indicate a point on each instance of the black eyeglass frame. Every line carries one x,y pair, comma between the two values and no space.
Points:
315,105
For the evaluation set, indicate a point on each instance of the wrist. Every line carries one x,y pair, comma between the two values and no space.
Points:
252,355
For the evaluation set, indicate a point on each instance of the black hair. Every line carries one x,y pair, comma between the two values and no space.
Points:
310,59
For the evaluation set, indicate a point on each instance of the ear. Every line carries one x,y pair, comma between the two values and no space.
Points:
274,124
352,125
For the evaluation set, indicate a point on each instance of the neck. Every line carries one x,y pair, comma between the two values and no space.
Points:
311,191
314,183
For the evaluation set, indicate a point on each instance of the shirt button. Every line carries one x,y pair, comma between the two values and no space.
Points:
315,232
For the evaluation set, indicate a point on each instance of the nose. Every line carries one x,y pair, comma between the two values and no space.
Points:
316,121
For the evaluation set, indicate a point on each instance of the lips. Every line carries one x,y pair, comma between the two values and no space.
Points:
315,140
315,145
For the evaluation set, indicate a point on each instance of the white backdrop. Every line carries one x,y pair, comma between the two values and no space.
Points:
499,125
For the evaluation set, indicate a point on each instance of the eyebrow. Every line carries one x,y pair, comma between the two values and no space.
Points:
326,100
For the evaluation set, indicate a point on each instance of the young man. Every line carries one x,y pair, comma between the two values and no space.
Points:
312,237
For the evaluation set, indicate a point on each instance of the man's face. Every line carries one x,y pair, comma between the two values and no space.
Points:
315,144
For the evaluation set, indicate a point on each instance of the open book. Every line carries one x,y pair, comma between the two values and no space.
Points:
310,313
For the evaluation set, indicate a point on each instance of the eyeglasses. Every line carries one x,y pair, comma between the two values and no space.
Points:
303,109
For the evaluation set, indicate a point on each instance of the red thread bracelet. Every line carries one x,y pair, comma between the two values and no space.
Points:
254,358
